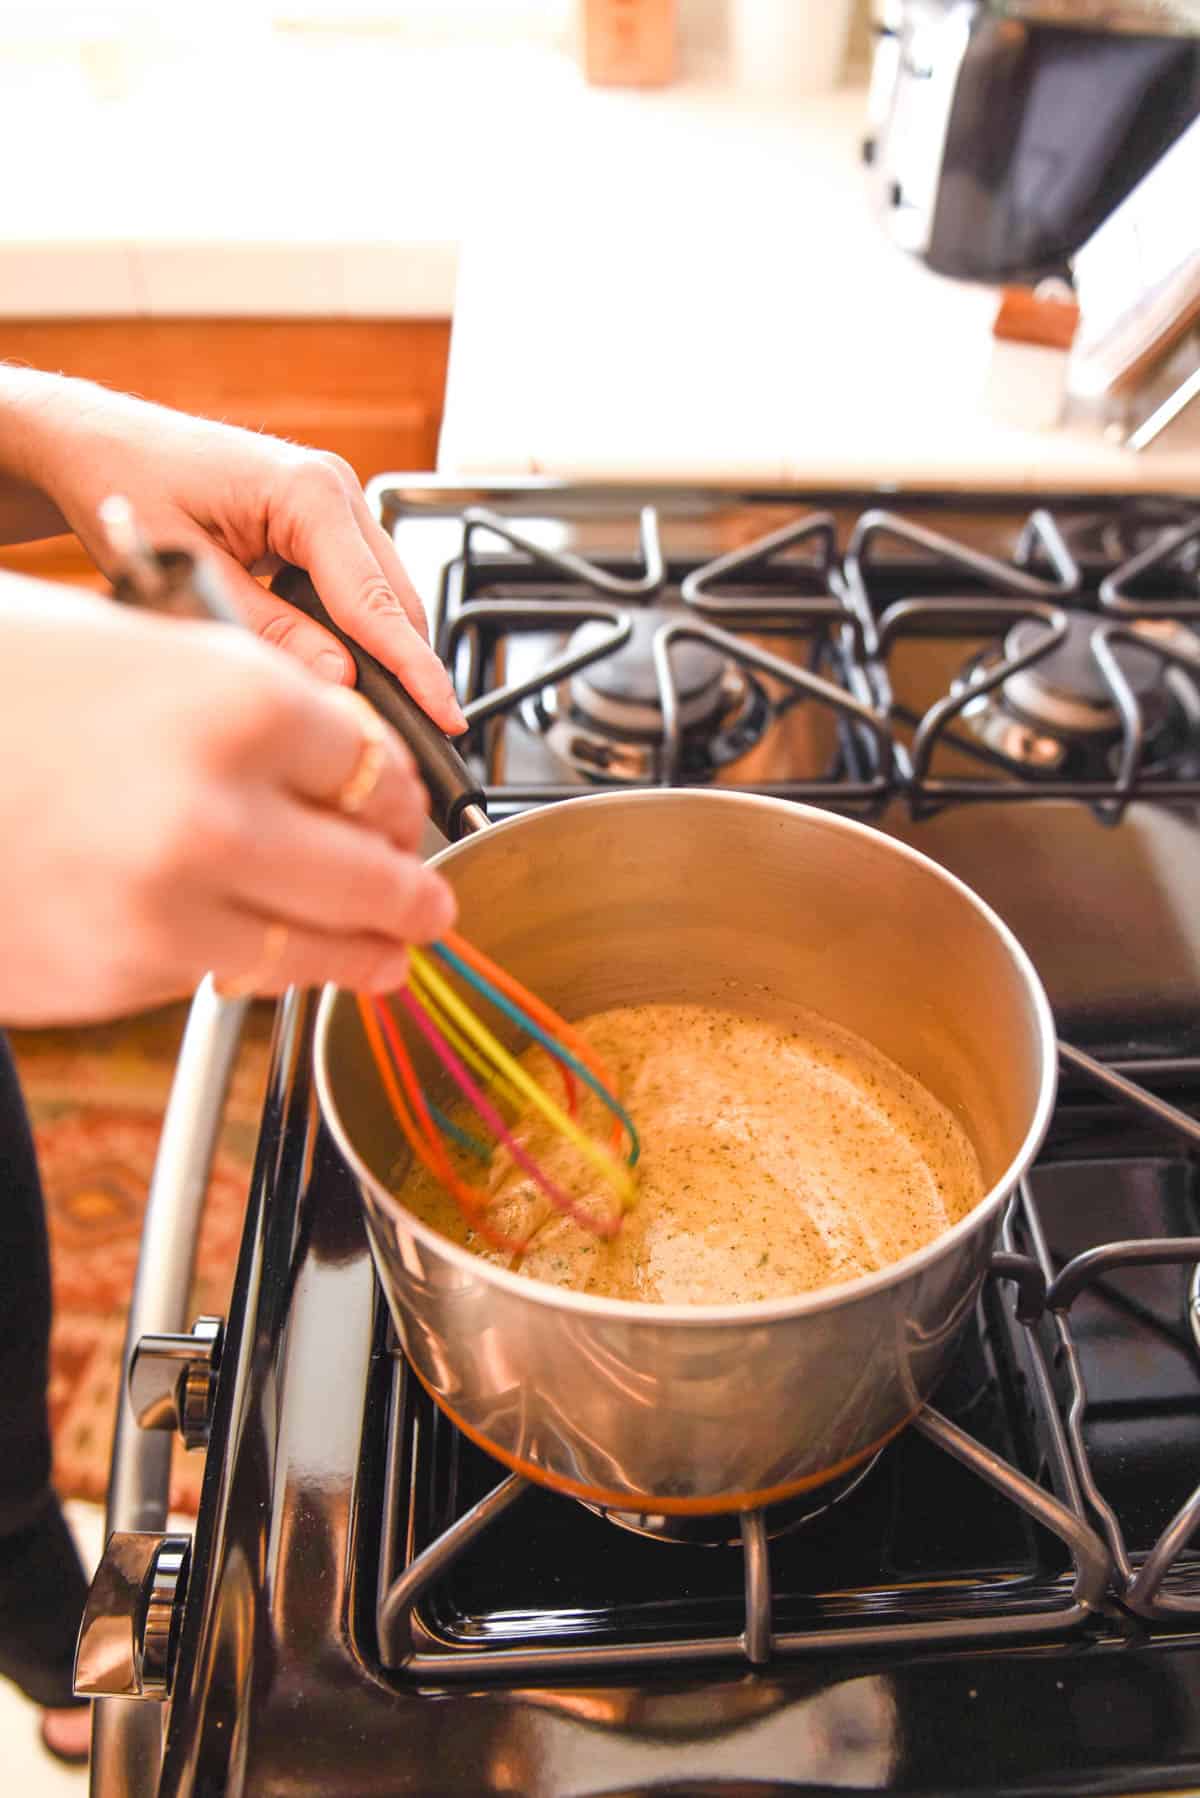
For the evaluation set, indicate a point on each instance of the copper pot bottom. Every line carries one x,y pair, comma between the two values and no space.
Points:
723,1529
623,1507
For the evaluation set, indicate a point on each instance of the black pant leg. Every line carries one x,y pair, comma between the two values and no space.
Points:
42,1584
24,1314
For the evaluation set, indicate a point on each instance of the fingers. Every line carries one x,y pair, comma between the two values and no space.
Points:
252,954
245,835
327,874
317,525
385,550
275,622
290,765
313,512
341,753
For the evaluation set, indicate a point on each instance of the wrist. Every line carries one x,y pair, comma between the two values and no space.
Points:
40,415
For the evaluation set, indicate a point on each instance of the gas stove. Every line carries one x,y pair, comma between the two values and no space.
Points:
1006,1599
837,657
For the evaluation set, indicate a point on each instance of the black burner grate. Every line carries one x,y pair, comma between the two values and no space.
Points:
492,602
510,596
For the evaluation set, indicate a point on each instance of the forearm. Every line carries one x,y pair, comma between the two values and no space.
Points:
34,408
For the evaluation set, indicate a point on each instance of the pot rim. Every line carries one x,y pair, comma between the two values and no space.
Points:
753,1311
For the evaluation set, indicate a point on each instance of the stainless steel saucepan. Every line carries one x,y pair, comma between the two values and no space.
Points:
695,895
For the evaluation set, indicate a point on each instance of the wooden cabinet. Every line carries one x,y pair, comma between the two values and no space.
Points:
371,389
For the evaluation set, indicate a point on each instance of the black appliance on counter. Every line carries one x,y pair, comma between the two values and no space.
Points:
1002,133
1008,1599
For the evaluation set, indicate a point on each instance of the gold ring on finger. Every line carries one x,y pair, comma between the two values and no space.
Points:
363,779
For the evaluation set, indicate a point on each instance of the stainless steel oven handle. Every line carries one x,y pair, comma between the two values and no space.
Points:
127,1736
137,1494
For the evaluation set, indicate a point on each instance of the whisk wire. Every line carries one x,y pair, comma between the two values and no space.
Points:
602,1160
522,1018
502,981
484,1071
489,1114
487,1072
463,1047
428,1148
462,1137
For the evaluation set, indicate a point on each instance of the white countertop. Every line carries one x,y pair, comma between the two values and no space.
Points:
696,288
227,170
683,283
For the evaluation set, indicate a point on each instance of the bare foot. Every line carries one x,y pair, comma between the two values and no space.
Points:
69,1731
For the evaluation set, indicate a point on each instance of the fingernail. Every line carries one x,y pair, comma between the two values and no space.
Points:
332,667
390,974
439,907
449,706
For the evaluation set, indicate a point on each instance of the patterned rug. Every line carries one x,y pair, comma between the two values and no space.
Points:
97,1098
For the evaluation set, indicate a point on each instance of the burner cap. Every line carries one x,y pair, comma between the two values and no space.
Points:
1066,690
620,690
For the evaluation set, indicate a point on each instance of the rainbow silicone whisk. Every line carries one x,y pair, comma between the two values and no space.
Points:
500,1091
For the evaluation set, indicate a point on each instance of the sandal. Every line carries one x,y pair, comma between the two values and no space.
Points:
78,1757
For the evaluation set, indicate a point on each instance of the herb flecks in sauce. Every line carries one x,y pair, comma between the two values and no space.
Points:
774,1161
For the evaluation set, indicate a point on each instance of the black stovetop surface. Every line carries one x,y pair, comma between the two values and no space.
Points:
921,1536
885,1550
280,1685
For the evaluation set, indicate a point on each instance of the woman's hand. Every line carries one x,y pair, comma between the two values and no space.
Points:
242,499
169,806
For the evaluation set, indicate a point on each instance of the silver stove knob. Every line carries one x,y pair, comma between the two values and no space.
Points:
131,1621
173,1380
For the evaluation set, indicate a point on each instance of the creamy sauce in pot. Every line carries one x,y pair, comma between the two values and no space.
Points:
776,1158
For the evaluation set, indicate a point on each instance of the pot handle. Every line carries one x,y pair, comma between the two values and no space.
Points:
453,789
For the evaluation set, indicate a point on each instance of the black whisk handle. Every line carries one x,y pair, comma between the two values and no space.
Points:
451,785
